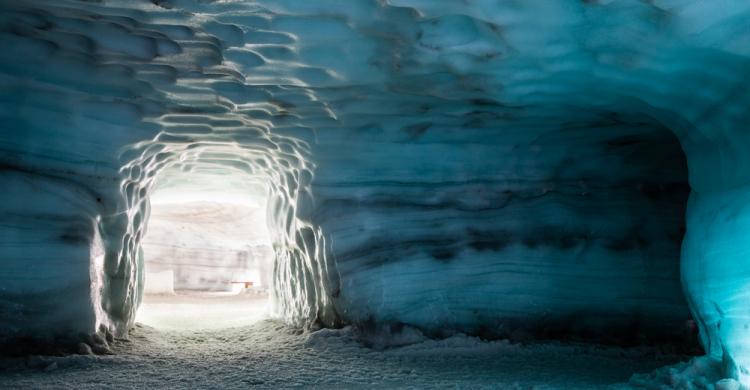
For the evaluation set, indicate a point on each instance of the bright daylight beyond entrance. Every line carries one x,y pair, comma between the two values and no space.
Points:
208,255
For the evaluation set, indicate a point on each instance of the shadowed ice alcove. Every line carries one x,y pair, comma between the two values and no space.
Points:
375,193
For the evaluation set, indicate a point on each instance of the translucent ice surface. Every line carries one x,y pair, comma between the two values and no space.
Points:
497,168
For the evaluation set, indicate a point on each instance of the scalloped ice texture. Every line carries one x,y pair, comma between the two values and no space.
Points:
486,167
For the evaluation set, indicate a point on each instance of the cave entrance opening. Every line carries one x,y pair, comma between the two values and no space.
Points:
207,253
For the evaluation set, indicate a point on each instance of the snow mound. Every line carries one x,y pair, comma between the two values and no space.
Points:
697,374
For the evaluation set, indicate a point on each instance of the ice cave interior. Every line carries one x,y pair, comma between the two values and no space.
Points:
525,170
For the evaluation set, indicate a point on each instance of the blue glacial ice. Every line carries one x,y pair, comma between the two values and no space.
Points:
536,169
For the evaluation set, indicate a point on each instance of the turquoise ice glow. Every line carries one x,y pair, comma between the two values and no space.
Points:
489,167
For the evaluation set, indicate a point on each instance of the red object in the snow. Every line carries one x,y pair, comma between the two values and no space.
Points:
247,284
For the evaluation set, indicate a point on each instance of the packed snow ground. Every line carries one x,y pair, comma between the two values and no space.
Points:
265,353
202,311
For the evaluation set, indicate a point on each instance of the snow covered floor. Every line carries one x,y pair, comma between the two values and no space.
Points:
268,354
224,341
205,310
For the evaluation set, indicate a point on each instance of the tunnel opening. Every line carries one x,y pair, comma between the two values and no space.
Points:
208,256
267,177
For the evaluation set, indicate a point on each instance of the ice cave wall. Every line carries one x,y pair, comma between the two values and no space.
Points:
98,99
446,165
568,231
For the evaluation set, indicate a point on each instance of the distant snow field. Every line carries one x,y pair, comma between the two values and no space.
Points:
202,311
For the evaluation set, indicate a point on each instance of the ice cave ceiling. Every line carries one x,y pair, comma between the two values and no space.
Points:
493,167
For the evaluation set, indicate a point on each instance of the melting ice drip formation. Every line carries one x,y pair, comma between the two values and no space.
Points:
490,167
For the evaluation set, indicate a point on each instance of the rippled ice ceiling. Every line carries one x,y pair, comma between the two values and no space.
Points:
503,168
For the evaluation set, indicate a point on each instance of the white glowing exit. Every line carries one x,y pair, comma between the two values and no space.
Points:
207,250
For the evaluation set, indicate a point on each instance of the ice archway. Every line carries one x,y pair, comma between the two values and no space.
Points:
421,156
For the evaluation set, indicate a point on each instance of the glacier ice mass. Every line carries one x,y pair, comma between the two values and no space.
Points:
536,169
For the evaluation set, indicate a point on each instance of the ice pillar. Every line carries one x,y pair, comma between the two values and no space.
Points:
715,259
716,274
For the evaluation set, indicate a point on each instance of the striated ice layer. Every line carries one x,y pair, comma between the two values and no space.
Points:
581,241
489,167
